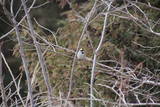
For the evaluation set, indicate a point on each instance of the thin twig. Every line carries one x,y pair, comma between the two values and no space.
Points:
95,55
4,98
22,53
88,17
13,78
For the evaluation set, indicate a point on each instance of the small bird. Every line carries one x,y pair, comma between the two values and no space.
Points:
81,54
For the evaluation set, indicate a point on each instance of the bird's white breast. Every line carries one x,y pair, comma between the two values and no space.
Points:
80,55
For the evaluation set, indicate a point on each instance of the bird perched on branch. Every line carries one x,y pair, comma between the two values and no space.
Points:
81,54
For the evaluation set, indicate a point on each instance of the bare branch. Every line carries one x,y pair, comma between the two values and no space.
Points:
4,98
95,55
40,56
